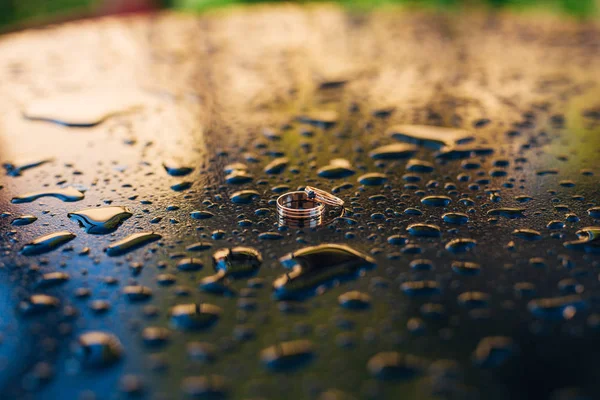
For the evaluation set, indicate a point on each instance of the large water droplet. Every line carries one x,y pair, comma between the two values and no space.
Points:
131,242
557,308
589,240
430,136
318,267
46,243
16,168
69,194
24,220
101,220
83,109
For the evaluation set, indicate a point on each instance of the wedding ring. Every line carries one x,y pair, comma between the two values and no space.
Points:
297,205
323,196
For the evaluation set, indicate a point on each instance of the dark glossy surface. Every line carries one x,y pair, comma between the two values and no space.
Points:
465,305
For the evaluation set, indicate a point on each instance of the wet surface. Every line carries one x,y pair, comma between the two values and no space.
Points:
465,264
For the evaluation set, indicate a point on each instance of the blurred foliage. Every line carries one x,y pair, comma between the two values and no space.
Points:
579,8
15,12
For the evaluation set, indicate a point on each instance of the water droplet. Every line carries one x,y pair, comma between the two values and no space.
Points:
556,308
38,304
527,234
46,243
277,166
205,387
395,366
131,242
201,214
199,246
237,262
84,109
420,166
190,264
523,198
355,300
181,186
474,299
507,212
336,170
421,264
430,136
324,118
589,240
397,240
69,194
98,349
175,168
594,212
101,220
372,179
493,351
455,218
16,168
466,267
460,245
24,220
136,293
420,288
396,151
424,230
244,196
288,355
436,201
239,177
555,224
317,267
53,278
202,351
270,236
194,316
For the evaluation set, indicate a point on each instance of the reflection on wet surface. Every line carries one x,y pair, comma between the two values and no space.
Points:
464,264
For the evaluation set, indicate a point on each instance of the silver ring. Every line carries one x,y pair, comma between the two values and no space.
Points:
297,205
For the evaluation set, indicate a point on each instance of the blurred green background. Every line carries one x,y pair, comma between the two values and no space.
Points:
15,14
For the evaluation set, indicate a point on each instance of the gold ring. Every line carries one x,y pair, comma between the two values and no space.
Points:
297,205
323,196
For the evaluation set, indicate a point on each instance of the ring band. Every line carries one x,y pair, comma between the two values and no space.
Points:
323,196
297,205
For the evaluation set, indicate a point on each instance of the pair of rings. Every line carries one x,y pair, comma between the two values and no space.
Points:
306,205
